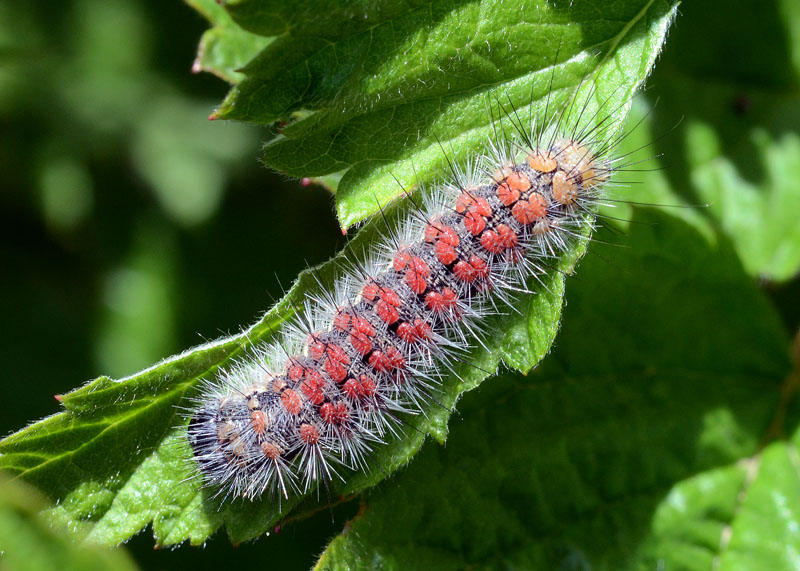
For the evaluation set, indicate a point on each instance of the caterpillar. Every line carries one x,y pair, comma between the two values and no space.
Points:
358,359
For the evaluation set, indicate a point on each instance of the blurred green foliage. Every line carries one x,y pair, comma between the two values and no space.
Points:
28,540
132,227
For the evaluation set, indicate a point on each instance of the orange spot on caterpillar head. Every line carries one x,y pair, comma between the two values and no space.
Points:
594,176
504,171
481,207
253,395
278,384
507,195
542,161
565,190
528,211
580,163
518,181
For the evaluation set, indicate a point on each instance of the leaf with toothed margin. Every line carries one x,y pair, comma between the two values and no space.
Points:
225,48
31,541
117,458
388,96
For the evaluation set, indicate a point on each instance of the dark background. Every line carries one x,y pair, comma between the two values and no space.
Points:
131,227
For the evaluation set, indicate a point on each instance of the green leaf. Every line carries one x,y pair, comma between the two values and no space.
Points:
624,449
225,48
738,148
381,99
28,541
764,530
117,458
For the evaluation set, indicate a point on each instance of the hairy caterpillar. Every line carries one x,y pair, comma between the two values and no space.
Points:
373,349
